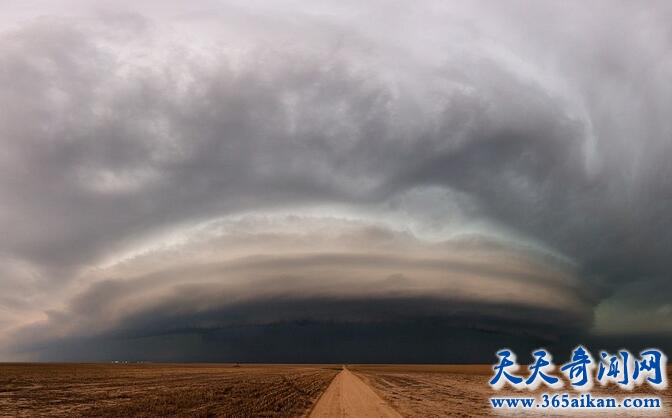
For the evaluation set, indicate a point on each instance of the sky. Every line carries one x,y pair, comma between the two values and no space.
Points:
333,181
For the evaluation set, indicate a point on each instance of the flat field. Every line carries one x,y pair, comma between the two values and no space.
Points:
200,390
463,390
148,390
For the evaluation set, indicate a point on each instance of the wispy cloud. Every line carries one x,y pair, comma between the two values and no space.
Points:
163,166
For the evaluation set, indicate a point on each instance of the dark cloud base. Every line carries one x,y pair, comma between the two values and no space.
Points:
417,341
537,124
393,330
387,330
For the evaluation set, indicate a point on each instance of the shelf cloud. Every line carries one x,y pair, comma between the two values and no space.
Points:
179,181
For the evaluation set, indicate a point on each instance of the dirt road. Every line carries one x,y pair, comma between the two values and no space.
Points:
348,396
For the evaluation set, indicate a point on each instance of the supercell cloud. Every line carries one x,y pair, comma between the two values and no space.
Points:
182,182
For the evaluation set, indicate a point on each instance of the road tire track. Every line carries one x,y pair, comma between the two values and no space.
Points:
349,396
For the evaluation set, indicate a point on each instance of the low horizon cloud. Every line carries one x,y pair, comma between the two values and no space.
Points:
183,182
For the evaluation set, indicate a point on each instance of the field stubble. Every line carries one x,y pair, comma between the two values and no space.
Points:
463,390
100,390
147,390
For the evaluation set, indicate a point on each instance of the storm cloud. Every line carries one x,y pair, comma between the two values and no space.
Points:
490,172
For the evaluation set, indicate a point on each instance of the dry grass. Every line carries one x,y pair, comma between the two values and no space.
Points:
160,390
95,390
463,390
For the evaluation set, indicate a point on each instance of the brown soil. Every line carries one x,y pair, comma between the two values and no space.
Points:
463,390
95,390
348,396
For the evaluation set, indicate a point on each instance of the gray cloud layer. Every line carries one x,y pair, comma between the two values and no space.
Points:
172,168
324,270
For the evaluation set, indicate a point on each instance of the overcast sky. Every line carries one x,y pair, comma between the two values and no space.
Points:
204,180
